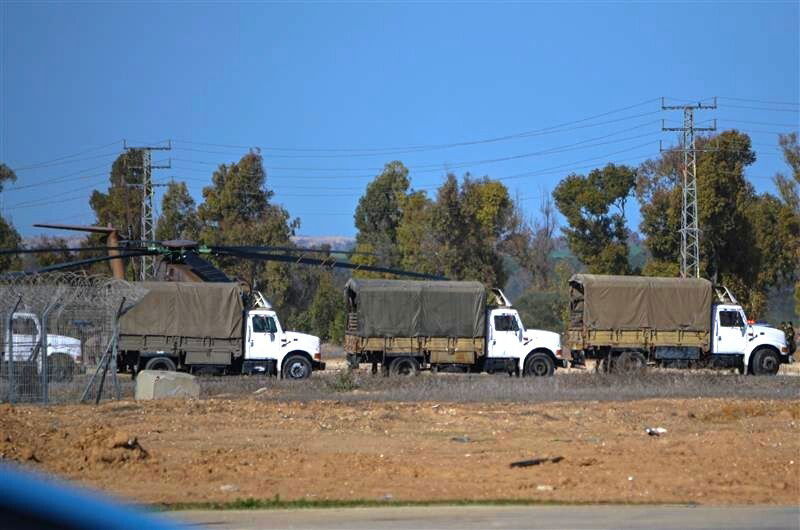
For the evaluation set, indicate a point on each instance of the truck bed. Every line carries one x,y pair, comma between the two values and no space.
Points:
437,350
581,339
197,350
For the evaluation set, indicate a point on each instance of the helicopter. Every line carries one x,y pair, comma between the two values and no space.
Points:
186,260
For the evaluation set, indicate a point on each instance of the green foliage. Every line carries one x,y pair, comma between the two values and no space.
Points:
541,309
749,242
457,235
178,218
237,211
50,258
327,313
9,237
6,175
121,205
595,235
378,216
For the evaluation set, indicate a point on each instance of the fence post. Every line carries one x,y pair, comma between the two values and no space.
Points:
12,376
43,352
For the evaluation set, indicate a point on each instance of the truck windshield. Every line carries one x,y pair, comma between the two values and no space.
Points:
505,323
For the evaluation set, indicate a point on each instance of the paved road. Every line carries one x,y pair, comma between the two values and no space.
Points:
502,517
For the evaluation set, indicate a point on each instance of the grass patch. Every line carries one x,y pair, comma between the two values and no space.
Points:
277,503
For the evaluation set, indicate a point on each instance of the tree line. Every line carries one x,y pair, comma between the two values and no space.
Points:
471,228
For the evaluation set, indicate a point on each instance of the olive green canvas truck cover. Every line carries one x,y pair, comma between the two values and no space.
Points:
199,317
636,310
399,308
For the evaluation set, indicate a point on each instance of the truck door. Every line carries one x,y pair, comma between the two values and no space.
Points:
262,337
504,339
730,335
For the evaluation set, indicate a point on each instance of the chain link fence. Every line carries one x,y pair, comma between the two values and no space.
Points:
59,333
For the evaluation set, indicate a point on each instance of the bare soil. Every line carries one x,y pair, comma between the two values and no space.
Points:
714,451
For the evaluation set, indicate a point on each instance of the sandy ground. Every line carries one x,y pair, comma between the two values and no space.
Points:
715,451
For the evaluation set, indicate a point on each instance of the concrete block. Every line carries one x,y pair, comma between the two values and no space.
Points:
156,384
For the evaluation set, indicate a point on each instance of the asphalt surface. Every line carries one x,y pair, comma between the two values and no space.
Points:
503,517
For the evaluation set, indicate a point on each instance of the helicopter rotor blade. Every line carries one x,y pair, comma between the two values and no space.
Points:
89,261
6,251
295,249
284,258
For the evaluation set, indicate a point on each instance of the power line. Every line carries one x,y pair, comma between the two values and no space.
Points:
70,155
797,103
71,161
437,146
760,108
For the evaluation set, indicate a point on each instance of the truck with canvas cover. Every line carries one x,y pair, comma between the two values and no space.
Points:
405,326
211,328
628,322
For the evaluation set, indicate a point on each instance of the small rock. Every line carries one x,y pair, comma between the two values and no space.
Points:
655,431
27,455
229,488
461,439
630,478
387,497
544,487
260,390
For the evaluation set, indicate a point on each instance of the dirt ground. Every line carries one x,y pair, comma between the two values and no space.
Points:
715,451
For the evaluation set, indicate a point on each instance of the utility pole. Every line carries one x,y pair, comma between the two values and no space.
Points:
148,263
690,231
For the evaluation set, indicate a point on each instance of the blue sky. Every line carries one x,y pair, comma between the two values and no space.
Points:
322,87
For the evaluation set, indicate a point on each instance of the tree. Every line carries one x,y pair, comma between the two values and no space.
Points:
178,218
596,236
9,237
748,241
327,312
45,259
468,225
532,242
121,205
378,216
237,211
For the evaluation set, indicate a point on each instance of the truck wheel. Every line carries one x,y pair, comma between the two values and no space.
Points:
60,368
404,366
165,364
296,367
765,362
539,365
629,362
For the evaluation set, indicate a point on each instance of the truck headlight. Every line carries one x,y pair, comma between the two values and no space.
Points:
318,356
784,349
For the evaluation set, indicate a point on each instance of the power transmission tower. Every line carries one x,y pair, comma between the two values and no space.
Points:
690,231
148,230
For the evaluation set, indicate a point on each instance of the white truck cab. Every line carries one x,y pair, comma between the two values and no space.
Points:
762,348
268,348
533,351
22,346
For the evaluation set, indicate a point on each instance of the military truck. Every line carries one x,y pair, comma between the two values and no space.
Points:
407,326
629,322
211,328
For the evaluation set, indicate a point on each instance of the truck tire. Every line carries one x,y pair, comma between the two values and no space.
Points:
539,365
296,367
165,364
60,368
765,362
629,362
404,366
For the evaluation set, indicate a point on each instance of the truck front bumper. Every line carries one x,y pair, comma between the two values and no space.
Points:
317,365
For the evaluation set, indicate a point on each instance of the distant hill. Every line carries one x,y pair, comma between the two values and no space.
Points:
336,242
